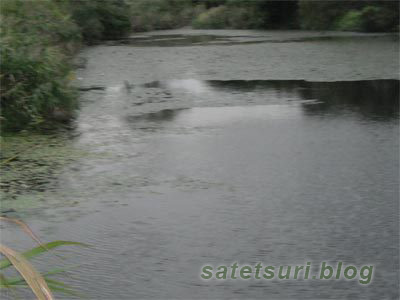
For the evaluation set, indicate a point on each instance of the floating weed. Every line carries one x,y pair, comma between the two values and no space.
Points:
29,164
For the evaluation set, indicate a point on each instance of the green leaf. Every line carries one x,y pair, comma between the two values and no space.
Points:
56,282
56,288
5,263
18,280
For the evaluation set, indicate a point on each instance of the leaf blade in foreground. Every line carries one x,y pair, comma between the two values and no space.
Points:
32,277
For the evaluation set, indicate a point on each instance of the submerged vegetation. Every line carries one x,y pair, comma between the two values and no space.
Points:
39,37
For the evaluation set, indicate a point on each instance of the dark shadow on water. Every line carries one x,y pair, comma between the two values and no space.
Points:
172,40
373,99
160,116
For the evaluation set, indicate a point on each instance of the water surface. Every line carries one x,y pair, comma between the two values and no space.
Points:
255,146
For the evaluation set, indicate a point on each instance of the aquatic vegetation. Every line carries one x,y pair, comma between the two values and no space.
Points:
29,163
40,284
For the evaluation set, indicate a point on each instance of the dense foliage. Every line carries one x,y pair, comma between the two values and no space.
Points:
160,14
233,14
367,16
36,41
100,19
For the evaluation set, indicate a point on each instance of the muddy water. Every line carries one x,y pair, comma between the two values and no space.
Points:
224,146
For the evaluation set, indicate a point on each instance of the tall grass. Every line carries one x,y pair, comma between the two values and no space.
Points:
40,284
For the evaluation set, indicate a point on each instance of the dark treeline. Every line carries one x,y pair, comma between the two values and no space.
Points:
367,16
39,37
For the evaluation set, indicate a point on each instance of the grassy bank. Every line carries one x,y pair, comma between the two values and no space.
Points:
39,38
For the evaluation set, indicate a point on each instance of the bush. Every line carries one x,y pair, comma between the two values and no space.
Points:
101,19
160,14
379,18
214,18
44,20
34,83
369,19
351,21
365,16
319,15
36,39
229,16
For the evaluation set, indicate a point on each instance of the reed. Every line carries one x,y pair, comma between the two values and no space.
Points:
40,284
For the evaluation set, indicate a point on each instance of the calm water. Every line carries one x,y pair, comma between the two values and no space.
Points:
223,146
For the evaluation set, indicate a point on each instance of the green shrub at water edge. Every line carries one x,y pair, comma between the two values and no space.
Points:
380,18
214,18
368,19
366,16
34,83
230,16
41,21
160,14
351,21
37,38
100,19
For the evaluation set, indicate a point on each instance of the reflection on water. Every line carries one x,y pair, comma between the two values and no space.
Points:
191,85
378,99
169,40
211,116
372,98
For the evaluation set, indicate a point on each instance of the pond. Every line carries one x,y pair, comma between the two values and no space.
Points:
215,147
